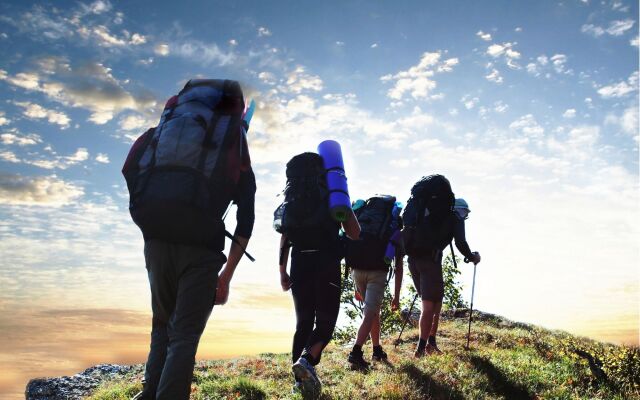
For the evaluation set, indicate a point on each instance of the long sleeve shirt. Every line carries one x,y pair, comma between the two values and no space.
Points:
456,231
245,200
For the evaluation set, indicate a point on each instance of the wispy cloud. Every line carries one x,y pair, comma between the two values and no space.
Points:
36,111
39,190
484,36
620,89
91,86
615,28
418,80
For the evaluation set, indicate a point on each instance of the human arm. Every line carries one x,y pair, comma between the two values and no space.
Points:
461,241
285,279
399,274
351,226
245,217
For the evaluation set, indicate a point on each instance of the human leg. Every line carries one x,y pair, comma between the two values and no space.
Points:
197,277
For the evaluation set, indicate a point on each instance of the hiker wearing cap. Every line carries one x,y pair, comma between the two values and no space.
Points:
373,259
431,223
182,176
312,237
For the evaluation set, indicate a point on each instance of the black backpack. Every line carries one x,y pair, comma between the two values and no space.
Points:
304,215
426,213
376,227
182,174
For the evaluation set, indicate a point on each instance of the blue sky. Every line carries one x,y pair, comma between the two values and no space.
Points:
530,108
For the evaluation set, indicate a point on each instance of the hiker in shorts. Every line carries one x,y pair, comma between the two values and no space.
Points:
370,259
425,246
314,278
182,177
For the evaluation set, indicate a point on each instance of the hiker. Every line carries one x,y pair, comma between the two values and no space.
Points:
182,176
312,236
370,258
431,223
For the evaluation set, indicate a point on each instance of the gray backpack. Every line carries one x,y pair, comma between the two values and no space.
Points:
182,174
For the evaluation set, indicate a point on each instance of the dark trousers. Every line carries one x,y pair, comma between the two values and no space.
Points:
183,288
316,296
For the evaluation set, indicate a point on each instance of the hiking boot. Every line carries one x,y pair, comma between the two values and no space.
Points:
306,375
357,360
378,354
432,349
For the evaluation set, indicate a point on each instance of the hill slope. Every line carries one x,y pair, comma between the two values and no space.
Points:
507,360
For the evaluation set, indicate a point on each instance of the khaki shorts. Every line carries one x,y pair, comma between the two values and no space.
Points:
371,286
426,273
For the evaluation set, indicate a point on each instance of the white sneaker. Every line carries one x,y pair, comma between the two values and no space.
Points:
305,373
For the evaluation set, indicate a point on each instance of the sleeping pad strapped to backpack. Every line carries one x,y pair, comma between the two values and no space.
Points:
182,174
304,215
377,224
424,217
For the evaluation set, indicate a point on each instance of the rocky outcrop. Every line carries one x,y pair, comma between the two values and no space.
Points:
77,386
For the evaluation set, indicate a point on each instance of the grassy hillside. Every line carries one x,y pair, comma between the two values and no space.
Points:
507,360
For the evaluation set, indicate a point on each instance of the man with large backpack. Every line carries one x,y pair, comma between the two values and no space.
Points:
182,176
370,258
430,225
311,234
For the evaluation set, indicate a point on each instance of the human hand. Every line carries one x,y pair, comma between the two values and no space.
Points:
395,303
358,296
285,281
222,290
476,258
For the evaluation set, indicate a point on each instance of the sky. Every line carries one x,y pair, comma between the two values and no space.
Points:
530,108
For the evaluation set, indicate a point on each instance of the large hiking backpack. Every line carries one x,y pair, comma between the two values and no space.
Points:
304,214
182,174
377,224
426,213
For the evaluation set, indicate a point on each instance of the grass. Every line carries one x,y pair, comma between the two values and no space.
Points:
506,361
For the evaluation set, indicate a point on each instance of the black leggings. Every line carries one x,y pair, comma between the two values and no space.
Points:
316,295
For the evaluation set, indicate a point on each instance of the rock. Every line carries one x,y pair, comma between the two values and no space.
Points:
77,386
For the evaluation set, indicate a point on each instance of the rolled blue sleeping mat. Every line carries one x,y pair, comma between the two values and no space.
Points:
339,202
390,252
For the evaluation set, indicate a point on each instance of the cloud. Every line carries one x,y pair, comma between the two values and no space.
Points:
340,43
542,63
627,122
484,36
500,107
102,158
494,76
90,86
267,77
4,120
36,111
299,81
201,52
262,31
135,122
84,24
506,49
528,126
620,89
161,49
375,45
14,137
616,28
418,80
469,102
40,190
569,113
635,42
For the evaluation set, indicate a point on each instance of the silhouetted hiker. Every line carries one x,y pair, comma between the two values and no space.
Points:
312,235
430,225
182,176
370,258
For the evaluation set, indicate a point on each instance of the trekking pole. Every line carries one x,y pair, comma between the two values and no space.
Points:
406,319
473,288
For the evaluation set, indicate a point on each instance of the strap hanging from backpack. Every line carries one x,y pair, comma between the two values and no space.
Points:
236,241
